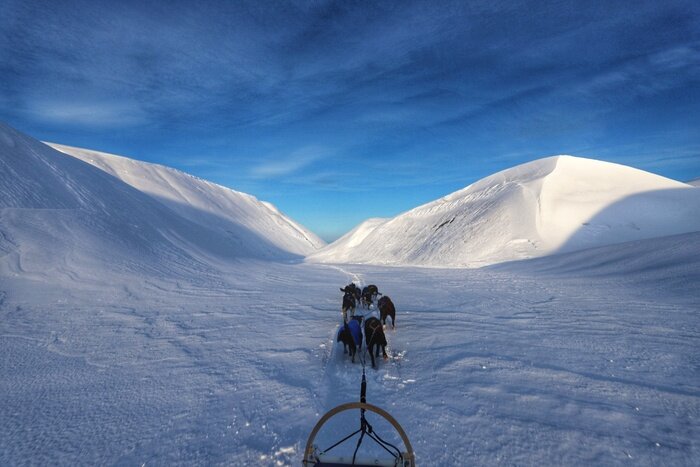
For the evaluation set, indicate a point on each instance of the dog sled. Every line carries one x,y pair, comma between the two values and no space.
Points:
315,457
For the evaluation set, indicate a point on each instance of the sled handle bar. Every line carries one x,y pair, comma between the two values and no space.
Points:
308,452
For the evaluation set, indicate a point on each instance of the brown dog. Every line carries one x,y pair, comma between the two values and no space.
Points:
386,308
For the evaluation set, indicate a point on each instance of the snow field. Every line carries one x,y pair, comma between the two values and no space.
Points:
490,367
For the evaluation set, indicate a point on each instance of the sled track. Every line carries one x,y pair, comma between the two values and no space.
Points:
352,277
341,377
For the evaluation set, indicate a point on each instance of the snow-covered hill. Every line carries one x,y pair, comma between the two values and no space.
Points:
198,200
552,205
694,182
59,214
345,245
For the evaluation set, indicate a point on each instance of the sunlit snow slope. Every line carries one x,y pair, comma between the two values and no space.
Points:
551,205
59,214
204,202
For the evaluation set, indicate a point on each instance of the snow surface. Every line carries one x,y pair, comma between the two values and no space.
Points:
514,366
552,205
132,334
694,182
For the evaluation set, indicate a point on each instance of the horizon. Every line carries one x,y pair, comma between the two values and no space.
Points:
338,112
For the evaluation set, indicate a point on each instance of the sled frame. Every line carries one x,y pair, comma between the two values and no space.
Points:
409,459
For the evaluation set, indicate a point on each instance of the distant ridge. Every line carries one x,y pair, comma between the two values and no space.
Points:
555,204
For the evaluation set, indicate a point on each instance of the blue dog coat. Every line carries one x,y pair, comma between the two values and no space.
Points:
356,331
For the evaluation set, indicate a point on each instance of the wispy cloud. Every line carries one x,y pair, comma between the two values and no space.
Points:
291,163
646,75
88,114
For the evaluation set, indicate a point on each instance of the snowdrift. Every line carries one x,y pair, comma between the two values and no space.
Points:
552,205
59,214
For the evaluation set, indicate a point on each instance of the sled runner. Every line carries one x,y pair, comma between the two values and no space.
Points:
314,457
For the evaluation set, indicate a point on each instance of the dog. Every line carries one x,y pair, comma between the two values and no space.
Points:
355,325
369,293
351,287
350,335
357,293
345,336
386,308
348,304
374,337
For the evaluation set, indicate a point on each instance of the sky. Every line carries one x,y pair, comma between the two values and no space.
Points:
338,111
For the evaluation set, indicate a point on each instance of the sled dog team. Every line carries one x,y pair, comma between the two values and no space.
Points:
350,333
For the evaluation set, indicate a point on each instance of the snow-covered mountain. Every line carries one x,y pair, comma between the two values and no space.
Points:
345,245
198,200
552,205
694,182
56,211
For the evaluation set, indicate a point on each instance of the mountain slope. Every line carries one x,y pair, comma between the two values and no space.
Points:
198,200
556,204
60,215
344,247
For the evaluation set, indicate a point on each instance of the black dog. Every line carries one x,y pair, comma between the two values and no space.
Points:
351,287
348,304
357,293
345,336
374,336
386,308
369,293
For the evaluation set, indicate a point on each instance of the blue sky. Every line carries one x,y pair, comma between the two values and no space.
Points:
336,111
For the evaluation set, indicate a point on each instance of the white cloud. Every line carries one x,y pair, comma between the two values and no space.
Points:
292,163
96,114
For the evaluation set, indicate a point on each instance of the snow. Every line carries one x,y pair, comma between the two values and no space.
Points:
132,334
344,245
202,202
552,205
61,215
694,182
488,366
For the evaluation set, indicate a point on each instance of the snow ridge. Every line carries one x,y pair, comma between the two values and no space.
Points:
189,195
551,205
